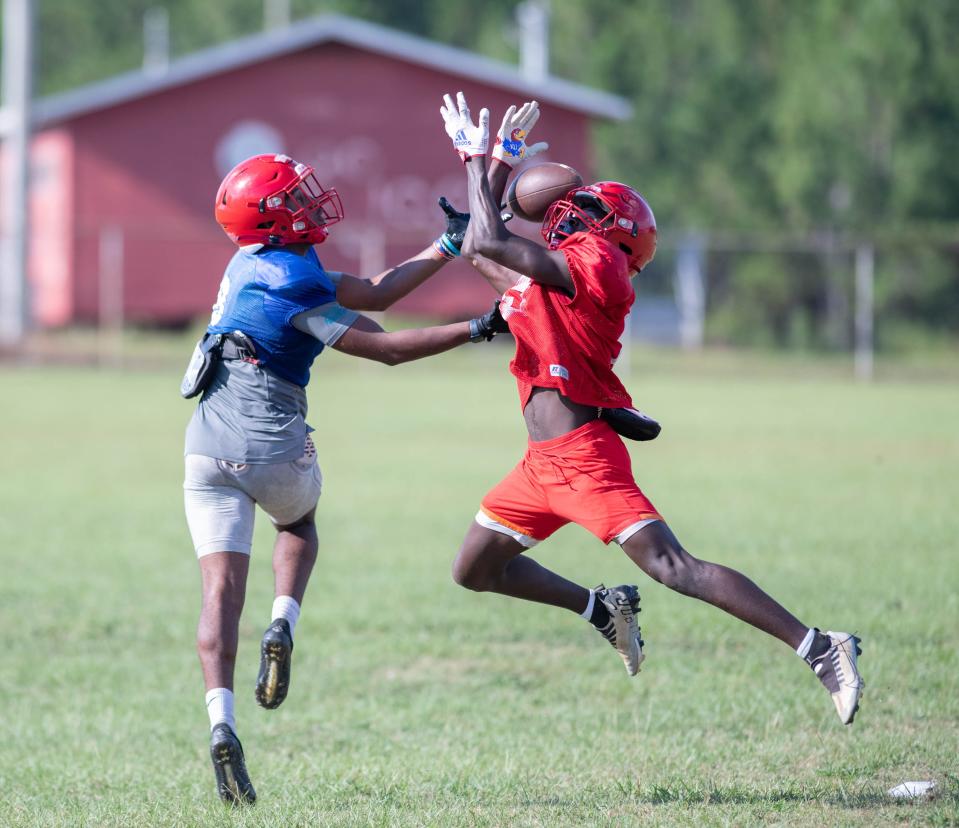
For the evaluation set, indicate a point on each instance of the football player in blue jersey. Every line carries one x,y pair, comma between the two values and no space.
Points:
248,441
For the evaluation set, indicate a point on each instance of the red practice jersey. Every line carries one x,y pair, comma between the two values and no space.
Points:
571,343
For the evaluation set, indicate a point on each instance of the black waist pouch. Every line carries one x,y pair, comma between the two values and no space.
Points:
206,355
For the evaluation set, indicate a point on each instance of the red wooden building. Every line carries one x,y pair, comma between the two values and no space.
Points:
124,171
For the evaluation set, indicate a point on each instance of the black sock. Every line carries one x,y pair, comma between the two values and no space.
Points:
600,615
820,644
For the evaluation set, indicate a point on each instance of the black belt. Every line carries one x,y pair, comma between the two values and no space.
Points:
237,345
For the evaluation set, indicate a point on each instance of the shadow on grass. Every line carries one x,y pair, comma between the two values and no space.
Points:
682,794
861,797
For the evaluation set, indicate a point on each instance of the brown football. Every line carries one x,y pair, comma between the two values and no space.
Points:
534,189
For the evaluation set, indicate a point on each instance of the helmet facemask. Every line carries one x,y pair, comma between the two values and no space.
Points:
609,210
308,208
579,212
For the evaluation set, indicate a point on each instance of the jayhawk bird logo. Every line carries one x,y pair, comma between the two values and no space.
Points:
514,144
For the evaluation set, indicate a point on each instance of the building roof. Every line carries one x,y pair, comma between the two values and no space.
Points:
304,34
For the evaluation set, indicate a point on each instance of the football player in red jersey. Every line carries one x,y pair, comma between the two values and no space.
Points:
566,305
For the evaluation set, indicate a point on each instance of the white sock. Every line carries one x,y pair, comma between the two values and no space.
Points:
803,649
219,707
588,612
286,607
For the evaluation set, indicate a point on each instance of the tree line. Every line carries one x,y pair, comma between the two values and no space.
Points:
770,122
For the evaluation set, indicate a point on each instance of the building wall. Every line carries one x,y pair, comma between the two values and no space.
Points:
149,169
50,225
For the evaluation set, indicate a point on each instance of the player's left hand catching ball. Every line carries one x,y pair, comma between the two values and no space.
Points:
468,139
511,146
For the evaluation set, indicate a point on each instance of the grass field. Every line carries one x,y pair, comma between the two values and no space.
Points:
415,702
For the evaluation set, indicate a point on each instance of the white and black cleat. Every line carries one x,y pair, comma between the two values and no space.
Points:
622,630
837,669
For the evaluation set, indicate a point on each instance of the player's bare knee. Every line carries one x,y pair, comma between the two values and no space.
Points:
674,567
466,576
471,574
210,644
305,523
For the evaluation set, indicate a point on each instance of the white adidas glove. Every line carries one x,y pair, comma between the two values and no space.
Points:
468,139
511,146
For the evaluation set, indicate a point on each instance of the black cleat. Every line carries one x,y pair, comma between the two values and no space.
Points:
232,781
276,652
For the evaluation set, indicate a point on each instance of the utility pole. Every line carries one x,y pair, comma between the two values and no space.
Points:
276,14
533,19
689,288
15,132
865,311
156,40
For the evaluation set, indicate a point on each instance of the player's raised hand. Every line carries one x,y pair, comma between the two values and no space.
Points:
456,222
511,146
468,139
449,244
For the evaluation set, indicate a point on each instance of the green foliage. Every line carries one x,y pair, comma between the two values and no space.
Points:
917,284
760,118
766,300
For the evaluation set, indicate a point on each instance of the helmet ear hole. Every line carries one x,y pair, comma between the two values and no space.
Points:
265,225
626,249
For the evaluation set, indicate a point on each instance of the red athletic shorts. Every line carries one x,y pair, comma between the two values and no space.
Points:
583,477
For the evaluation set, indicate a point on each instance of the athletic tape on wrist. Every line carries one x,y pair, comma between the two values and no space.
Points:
446,242
441,249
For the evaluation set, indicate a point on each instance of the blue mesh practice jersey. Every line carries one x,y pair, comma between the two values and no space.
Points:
260,294
257,413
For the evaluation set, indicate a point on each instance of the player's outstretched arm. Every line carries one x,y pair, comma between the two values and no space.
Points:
508,152
488,236
509,149
381,291
492,240
368,340
498,175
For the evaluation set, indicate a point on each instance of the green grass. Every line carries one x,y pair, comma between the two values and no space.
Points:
415,702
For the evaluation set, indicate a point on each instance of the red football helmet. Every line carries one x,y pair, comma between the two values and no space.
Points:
608,209
272,199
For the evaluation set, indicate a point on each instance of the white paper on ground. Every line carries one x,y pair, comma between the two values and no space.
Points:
912,790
